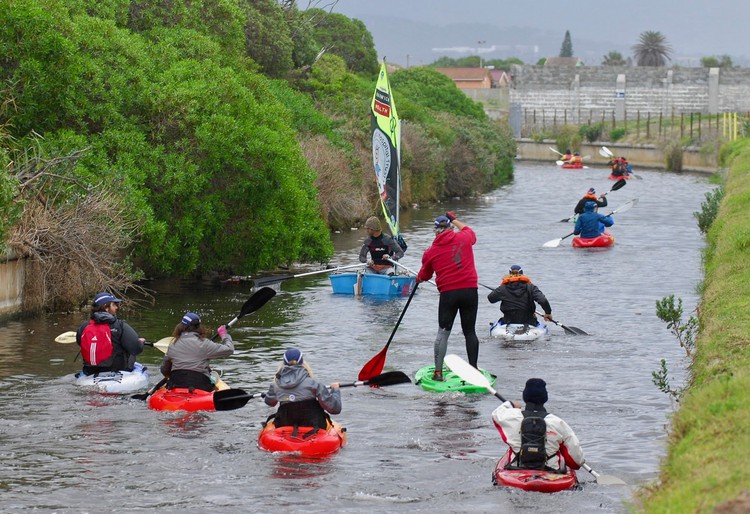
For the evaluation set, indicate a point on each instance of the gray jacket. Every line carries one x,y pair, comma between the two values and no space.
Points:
293,384
192,353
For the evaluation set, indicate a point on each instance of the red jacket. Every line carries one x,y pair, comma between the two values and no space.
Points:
451,258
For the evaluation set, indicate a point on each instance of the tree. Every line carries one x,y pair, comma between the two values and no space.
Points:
652,49
347,38
614,59
566,50
717,62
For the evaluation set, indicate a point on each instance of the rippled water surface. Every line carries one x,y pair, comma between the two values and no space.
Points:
65,450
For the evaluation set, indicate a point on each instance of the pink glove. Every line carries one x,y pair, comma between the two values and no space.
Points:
222,330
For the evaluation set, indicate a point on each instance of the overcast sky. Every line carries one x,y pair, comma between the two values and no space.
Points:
694,28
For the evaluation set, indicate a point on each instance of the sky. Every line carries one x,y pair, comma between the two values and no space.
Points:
420,31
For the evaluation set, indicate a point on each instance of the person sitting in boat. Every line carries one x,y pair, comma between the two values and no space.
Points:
576,160
590,196
107,343
186,363
303,401
379,245
620,167
567,157
538,439
591,224
517,295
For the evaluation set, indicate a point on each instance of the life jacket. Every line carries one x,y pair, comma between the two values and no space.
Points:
590,196
96,343
533,453
619,168
306,413
378,249
507,279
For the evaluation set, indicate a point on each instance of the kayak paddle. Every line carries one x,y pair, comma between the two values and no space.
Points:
617,185
230,399
273,279
375,366
470,374
554,243
161,344
258,299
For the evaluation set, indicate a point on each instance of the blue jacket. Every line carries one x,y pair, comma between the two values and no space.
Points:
587,224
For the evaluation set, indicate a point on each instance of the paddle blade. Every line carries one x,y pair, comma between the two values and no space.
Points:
574,330
553,244
467,372
272,279
374,366
389,378
618,185
559,163
257,300
231,399
625,207
603,479
606,151
163,344
66,338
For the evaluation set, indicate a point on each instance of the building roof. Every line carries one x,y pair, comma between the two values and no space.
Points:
466,74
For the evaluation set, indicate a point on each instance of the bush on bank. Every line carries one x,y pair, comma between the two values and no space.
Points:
709,450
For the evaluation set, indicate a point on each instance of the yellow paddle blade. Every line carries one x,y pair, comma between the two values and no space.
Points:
163,344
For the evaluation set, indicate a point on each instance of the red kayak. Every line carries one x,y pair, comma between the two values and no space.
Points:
182,398
576,166
286,439
540,481
616,177
605,240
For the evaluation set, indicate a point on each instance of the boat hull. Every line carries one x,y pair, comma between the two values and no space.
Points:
618,177
517,332
605,240
115,382
450,383
572,166
372,284
533,479
184,399
283,439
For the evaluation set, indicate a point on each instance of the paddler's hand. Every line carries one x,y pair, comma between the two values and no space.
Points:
335,385
222,331
548,317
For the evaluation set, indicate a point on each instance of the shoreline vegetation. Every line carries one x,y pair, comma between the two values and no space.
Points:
706,466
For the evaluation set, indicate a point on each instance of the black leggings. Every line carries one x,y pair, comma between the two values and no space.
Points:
466,302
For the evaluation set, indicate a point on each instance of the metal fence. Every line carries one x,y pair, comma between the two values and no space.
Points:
697,127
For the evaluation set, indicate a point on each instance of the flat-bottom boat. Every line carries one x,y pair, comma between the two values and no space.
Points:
183,398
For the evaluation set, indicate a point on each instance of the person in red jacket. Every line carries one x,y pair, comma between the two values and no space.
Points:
451,259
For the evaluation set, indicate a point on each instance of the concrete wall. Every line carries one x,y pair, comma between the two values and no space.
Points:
576,92
639,155
12,279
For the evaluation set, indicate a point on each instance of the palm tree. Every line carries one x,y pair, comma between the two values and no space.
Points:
614,59
652,49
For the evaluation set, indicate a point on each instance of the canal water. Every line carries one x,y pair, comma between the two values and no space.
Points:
66,450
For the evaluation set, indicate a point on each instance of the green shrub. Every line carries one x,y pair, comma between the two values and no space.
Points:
616,134
709,209
591,132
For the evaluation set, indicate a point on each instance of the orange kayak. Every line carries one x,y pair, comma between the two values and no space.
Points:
286,439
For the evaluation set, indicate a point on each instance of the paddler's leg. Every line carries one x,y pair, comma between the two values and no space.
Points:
441,348
468,309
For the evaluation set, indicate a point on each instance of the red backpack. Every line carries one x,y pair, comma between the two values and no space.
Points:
96,343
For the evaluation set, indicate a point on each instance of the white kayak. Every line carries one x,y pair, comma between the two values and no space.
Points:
518,332
115,381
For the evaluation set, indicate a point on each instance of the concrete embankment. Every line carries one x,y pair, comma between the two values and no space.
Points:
649,156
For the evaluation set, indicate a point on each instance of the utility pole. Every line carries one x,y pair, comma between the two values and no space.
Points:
480,57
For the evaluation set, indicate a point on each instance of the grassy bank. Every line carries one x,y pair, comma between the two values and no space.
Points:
708,461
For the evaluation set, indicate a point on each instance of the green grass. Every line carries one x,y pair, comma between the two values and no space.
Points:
709,450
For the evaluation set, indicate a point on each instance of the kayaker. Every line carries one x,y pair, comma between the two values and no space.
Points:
517,294
451,259
590,195
576,159
538,439
378,245
107,343
186,363
620,167
591,224
303,401
567,157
